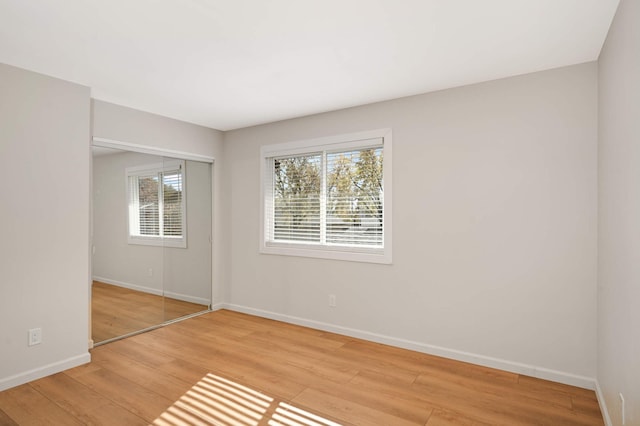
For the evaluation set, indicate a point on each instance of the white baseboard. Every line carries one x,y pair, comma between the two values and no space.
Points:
218,306
155,291
603,405
47,370
187,298
130,286
500,364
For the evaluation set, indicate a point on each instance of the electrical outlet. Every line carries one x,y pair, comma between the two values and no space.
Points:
622,413
332,300
150,272
35,336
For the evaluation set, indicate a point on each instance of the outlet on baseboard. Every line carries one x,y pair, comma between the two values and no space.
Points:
35,336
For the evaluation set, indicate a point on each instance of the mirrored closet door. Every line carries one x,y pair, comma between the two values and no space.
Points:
151,259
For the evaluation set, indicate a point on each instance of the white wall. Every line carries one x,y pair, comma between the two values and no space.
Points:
494,240
44,255
619,216
137,127
182,273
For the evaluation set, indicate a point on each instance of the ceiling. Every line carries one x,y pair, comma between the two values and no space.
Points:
228,64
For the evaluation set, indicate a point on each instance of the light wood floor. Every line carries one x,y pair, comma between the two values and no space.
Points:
228,368
116,311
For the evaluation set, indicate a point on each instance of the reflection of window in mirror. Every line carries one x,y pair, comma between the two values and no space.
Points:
156,202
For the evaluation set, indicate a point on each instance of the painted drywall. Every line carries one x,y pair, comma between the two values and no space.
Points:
120,123
44,146
181,273
619,216
123,124
494,233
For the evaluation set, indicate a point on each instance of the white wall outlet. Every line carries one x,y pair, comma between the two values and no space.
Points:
35,336
332,300
150,272
622,413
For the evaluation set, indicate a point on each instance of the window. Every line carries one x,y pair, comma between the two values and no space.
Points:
329,198
156,194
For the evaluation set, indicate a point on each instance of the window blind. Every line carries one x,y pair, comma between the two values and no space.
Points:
354,207
149,205
172,203
329,198
296,198
156,202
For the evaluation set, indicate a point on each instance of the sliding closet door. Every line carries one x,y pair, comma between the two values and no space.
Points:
128,259
152,241
186,220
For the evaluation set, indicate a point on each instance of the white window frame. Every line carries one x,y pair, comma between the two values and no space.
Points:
359,140
153,170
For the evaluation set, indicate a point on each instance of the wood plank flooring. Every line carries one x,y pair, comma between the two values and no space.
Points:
116,311
227,368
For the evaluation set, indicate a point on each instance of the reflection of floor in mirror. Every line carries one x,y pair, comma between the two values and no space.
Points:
117,311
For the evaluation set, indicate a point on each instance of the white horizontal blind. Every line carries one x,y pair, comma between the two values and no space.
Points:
296,186
172,203
156,202
144,205
331,198
354,207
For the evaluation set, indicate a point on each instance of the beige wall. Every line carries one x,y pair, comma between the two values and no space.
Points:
124,124
619,216
494,233
44,147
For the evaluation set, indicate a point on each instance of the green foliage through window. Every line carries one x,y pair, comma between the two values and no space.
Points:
332,198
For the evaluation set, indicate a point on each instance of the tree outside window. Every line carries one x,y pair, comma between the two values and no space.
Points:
330,198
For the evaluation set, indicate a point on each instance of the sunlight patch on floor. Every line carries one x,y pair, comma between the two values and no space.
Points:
215,400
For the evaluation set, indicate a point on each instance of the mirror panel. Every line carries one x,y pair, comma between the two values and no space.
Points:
143,275
187,271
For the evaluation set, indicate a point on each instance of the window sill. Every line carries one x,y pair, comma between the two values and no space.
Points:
327,252
158,242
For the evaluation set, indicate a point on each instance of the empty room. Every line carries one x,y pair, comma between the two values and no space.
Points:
411,212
